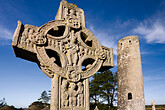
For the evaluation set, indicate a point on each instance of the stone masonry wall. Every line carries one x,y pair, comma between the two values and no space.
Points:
130,78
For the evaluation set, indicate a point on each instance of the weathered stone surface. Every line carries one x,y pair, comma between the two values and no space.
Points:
130,79
66,52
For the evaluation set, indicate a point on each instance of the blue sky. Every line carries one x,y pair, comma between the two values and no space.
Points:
21,81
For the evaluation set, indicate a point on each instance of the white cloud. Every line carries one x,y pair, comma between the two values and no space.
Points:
153,34
5,34
153,78
153,28
105,38
145,53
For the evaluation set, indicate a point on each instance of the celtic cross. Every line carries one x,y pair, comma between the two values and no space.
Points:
66,52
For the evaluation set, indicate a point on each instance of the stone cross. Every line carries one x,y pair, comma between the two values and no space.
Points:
66,52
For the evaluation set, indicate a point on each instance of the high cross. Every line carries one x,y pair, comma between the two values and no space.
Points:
67,52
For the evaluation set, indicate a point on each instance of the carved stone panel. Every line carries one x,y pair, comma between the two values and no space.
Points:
72,94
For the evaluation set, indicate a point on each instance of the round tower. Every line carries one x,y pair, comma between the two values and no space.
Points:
130,78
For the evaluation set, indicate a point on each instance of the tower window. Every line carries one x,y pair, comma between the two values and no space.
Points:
129,96
130,42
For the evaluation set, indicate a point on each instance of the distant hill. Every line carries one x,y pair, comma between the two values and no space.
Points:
7,107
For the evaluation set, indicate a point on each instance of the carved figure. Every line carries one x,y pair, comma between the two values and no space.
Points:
80,94
77,14
72,14
65,12
24,37
72,50
72,94
64,93
31,38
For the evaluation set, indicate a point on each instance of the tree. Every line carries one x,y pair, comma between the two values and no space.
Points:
2,102
104,86
44,97
94,89
108,85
